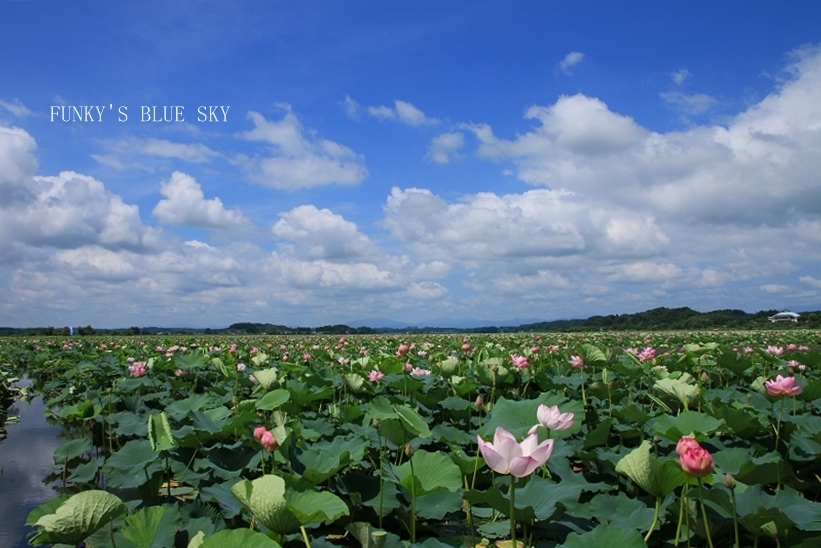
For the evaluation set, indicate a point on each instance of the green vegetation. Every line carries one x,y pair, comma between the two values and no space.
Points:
562,440
657,319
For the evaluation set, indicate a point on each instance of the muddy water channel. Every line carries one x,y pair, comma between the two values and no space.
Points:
26,461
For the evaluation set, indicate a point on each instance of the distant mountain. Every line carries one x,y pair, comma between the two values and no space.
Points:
650,320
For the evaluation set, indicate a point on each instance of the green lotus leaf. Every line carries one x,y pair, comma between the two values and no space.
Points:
518,417
273,399
266,377
71,450
236,538
655,477
315,506
80,516
159,433
412,421
189,361
151,527
605,536
437,504
620,508
265,499
430,472
686,424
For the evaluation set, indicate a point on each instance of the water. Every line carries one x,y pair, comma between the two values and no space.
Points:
26,459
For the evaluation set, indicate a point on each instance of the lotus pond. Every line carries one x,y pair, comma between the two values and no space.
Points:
554,440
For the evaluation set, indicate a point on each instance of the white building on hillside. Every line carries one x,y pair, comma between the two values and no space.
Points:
784,317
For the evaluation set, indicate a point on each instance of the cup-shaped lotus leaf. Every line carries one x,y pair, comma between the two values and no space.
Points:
80,516
265,499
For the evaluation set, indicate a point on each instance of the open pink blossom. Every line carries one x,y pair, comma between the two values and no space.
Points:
507,456
647,354
782,386
375,375
137,369
552,419
577,362
519,362
775,350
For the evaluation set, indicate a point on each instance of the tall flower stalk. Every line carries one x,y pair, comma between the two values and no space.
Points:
696,462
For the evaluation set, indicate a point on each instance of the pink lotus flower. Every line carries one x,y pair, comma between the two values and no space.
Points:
775,350
685,444
506,456
259,431
552,419
782,386
268,441
693,458
647,354
577,362
519,362
137,369
375,376
402,350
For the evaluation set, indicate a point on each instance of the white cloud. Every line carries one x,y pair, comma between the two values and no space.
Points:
678,77
71,209
572,59
537,227
689,103
445,148
322,234
15,107
351,106
185,204
403,112
17,149
189,152
298,159
760,168
810,281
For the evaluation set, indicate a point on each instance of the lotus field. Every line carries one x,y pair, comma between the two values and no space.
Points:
554,440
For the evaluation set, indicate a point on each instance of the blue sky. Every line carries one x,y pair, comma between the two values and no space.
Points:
419,162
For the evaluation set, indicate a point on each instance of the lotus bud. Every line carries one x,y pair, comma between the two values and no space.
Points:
408,450
705,377
480,402
729,481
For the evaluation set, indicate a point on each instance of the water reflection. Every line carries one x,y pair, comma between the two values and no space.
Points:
26,459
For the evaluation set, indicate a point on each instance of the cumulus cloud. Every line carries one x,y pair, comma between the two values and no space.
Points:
403,112
536,227
185,204
571,60
445,148
322,234
298,158
72,209
760,167
17,157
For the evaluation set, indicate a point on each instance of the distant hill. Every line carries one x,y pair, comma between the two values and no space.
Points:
657,319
